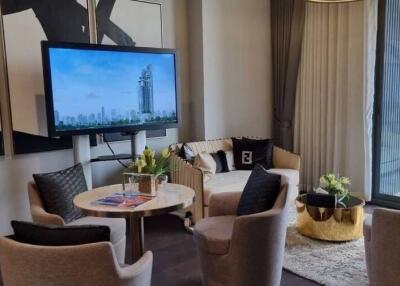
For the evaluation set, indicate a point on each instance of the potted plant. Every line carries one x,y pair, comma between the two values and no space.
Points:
335,185
149,170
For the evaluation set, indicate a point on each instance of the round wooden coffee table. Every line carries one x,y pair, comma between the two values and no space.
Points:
343,223
170,197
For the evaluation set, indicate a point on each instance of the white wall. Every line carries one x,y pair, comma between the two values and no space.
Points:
16,171
236,65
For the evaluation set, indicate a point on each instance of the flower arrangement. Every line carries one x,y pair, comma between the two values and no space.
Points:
147,163
335,185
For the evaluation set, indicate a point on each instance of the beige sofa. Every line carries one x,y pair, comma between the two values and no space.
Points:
285,163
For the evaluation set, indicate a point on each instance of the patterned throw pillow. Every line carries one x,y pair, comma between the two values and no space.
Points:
186,152
58,189
249,152
260,192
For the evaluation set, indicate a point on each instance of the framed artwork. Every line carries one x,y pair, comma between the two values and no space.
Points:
130,23
26,23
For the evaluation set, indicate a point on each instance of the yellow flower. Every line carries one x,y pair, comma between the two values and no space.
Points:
165,153
148,152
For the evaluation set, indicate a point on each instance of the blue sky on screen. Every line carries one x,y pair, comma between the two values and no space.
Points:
85,80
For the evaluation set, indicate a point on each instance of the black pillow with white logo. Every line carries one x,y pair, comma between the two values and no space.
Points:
249,152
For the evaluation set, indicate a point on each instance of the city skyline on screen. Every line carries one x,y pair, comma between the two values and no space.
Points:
95,89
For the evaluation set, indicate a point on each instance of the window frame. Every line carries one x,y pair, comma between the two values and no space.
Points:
377,197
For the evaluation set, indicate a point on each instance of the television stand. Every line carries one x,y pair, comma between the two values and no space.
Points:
113,158
138,143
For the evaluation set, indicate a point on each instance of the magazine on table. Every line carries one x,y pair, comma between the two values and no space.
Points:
128,199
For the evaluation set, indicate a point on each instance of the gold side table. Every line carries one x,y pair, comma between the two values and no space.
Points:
343,223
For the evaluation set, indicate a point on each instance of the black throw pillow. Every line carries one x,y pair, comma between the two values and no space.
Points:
58,189
260,192
218,163
36,234
224,161
248,152
186,153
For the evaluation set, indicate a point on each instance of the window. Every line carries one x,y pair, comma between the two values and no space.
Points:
386,164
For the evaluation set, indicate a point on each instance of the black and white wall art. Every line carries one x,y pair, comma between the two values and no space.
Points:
26,23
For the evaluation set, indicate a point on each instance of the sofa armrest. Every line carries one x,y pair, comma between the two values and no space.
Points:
183,173
283,159
39,215
224,204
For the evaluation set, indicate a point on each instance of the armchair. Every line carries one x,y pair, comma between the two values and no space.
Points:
245,250
381,236
40,215
87,264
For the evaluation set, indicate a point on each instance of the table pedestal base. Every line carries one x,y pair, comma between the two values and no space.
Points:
134,239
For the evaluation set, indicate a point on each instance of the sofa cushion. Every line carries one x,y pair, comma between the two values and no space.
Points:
260,192
117,226
218,162
206,163
224,162
225,182
49,235
57,190
186,153
213,234
210,146
229,160
249,152
236,180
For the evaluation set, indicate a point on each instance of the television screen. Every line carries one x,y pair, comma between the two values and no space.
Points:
97,88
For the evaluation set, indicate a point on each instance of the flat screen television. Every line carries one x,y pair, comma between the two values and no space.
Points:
92,89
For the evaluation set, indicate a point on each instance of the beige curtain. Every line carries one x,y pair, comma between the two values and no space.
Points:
329,114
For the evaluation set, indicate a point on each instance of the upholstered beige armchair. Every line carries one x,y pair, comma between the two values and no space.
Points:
117,226
88,264
381,235
245,250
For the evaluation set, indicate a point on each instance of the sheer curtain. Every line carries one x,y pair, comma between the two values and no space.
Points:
331,101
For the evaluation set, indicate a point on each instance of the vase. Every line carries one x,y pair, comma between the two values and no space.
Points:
138,182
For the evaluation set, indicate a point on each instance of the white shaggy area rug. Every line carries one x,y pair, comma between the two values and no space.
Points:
327,263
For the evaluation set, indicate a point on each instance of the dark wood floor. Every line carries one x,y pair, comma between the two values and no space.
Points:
175,258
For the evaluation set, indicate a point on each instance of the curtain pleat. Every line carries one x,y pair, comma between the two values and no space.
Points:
329,99
287,25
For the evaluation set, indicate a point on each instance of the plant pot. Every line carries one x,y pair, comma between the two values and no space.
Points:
138,182
148,186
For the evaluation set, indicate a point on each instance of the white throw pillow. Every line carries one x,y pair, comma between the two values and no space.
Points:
206,163
229,160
